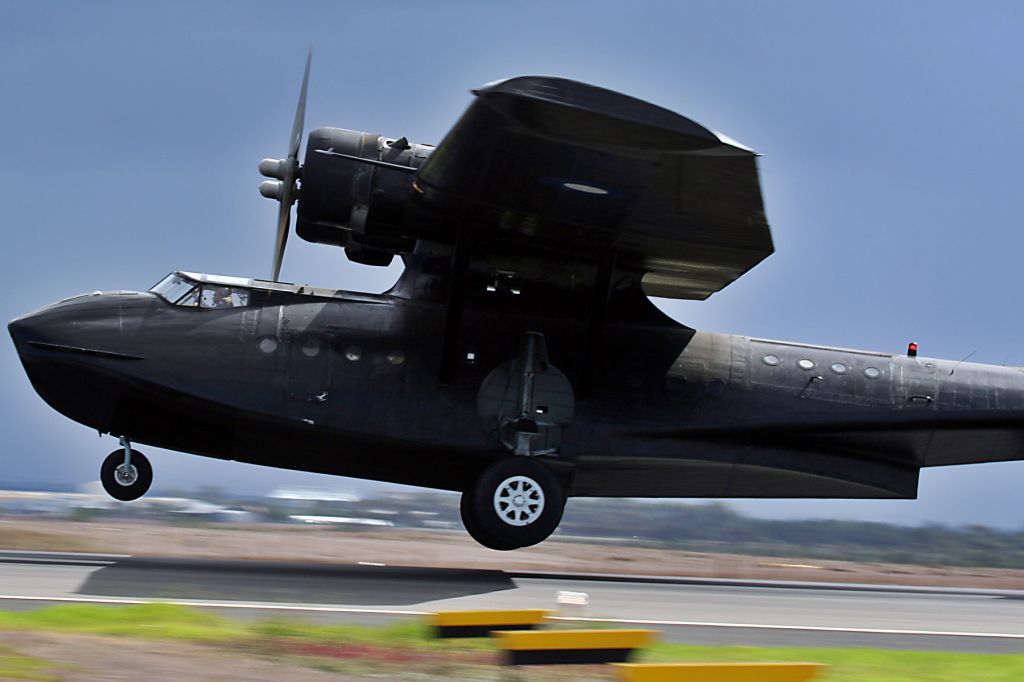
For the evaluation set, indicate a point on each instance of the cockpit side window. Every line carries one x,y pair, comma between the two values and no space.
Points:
216,296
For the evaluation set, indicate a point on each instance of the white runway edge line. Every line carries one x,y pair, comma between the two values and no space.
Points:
19,557
256,606
805,628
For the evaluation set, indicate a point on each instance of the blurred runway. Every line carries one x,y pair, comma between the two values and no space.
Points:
698,611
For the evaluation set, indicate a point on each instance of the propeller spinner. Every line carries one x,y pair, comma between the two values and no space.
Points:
286,171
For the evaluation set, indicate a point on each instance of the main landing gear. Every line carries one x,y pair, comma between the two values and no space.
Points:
516,502
126,473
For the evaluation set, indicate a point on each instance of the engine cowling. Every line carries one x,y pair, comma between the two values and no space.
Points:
354,204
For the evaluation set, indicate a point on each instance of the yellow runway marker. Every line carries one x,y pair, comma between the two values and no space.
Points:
482,623
545,647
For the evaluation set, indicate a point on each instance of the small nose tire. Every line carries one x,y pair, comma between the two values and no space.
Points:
126,483
516,502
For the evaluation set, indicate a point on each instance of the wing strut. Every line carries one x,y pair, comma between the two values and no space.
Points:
455,301
597,321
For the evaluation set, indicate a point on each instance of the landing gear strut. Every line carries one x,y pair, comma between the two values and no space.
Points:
126,473
516,502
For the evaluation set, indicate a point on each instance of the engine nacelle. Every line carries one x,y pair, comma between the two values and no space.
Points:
358,205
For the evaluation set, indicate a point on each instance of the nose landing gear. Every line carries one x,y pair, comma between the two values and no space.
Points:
516,502
126,474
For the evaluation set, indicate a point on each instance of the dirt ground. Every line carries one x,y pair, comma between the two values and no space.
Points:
82,658
456,549
86,658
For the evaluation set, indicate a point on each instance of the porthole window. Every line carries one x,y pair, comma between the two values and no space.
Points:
311,348
353,353
772,360
396,357
805,364
268,344
839,368
872,372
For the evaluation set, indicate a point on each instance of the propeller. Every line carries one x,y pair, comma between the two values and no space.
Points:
286,171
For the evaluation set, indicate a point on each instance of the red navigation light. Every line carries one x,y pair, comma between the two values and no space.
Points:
912,349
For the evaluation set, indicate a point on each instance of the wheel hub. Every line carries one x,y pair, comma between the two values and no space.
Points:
126,475
519,500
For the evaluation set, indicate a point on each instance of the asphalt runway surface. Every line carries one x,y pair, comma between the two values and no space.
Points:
691,610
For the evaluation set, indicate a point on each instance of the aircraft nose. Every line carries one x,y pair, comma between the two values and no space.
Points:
19,329
42,326
81,322
69,351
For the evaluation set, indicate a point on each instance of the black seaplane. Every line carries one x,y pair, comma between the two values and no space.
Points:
518,359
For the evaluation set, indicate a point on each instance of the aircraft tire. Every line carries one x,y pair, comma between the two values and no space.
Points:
117,488
472,525
516,502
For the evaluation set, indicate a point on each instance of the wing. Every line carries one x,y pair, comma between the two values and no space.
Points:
577,171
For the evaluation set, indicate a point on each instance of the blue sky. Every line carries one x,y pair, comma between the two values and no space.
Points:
891,169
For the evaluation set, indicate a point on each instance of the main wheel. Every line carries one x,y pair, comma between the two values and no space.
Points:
126,483
473,527
516,502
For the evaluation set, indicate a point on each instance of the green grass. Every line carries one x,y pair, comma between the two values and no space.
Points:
170,621
412,634
862,665
146,621
166,621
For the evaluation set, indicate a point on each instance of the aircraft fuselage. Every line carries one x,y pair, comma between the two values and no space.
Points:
348,384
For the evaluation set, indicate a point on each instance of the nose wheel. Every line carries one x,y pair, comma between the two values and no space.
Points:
126,474
516,502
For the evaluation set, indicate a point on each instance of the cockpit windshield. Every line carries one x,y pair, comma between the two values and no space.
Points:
174,288
185,292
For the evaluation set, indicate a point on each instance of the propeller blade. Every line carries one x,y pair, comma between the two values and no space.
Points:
300,111
284,215
289,169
